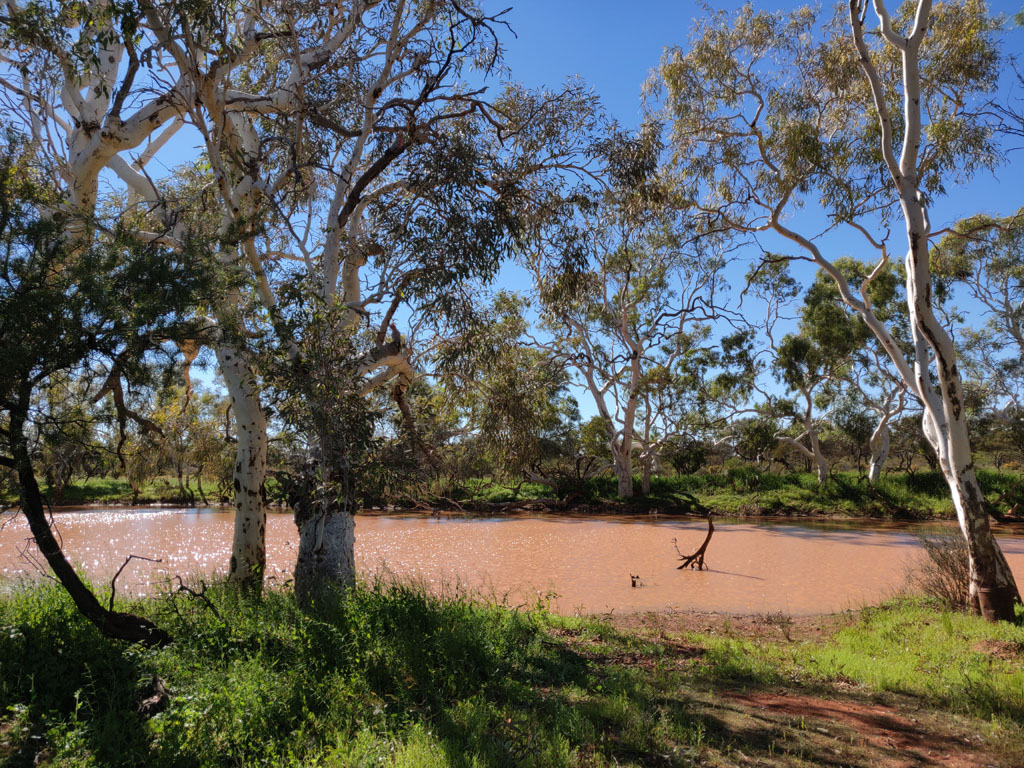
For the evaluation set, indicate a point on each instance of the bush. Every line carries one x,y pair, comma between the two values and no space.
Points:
942,571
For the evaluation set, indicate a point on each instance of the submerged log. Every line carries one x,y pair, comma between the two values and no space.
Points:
696,560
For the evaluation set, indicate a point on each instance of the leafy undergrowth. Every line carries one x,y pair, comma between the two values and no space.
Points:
745,490
389,675
738,491
117,490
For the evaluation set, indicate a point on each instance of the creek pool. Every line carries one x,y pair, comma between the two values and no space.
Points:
570,563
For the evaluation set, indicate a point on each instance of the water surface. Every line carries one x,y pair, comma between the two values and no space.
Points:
570,563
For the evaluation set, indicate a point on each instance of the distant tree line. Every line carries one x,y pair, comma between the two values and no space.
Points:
752,275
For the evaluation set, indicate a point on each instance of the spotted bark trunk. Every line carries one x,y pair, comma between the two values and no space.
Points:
993,590
248,546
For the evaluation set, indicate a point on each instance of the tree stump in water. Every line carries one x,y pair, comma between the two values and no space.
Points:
697,558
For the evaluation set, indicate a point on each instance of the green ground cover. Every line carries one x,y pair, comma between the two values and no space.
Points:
392,676
117,490
736,491
749,491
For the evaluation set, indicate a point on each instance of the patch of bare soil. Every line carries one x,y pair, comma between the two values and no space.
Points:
676,653
892,739
1000,649
839,725
763,626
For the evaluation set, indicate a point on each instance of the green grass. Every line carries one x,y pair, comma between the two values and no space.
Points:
117,490
391,675
387,673
749,491
737,491
910,646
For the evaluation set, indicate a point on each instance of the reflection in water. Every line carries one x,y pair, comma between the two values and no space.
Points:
586,562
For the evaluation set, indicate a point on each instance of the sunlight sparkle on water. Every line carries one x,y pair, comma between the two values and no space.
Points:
585,562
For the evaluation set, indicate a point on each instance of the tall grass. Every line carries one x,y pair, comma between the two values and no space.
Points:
387,673
391,675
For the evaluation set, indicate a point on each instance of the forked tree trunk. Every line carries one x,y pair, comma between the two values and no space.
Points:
813,455
248,546
880,441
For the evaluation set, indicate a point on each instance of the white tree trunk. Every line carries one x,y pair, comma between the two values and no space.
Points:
622,459
326,550
879,443
992,588
248,546
819,458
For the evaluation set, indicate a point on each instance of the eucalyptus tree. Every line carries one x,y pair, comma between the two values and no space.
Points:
509,398
772,113
67,308
808,363
868,376
93,88
632,320
353,157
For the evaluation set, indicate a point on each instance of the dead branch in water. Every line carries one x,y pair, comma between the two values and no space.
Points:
697,558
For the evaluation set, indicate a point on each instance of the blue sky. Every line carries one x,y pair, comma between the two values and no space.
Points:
613,46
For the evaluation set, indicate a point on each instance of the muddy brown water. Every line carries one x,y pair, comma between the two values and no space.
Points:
571,564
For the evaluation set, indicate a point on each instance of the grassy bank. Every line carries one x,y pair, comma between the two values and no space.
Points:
392,676
749,491
739,491
118,491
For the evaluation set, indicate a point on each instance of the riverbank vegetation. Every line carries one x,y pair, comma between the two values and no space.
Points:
338,193
738,491
250,251
390,674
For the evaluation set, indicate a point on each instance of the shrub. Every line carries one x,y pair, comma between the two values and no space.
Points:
942,570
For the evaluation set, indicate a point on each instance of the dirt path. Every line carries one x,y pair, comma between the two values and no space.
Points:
848,731
806,723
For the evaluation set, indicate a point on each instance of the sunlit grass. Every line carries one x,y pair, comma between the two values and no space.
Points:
736,490
743,490
390,674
